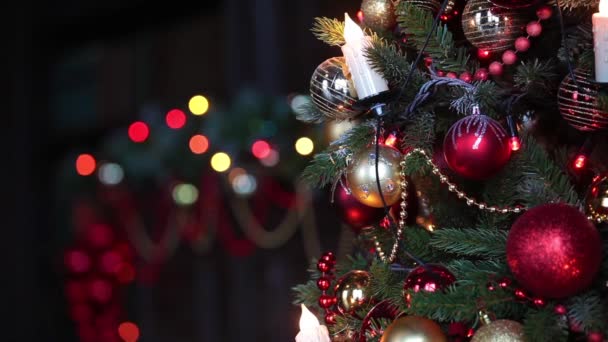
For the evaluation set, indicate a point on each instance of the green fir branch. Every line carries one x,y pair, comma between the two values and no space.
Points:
486,243
420,132
535,77
544,325
579,40
329,31
416,22
388,60
588,311
307,294
309,113
385,283
479,272
486,95
542,180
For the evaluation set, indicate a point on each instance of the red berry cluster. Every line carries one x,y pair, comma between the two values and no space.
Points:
326,265
505,283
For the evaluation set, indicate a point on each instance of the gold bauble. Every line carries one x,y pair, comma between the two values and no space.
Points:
578,102
413,329
332,91
491,28
596,200
334,129
379,14
352,291
502,330
361,176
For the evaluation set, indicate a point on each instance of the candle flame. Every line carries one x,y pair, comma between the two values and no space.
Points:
308,321
352,31
604,6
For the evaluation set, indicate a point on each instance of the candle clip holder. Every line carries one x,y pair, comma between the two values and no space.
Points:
376,103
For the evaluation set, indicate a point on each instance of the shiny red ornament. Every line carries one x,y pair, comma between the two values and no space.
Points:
427,278
329,257
544,12
323,266
481,74
554,251
330,318
323,283
522,44
595,337
354,213
476,147
326,301
534,28
509,57
495,68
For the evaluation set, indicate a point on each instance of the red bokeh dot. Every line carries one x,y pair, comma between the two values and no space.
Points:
139,132
199,144
100,290
128,331
110,261
85,164
75,291
260,149
126,273
81,312
77,261
100,235
175,119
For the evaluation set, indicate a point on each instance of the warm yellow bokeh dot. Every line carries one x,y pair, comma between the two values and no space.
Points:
198,105
220,162
304,146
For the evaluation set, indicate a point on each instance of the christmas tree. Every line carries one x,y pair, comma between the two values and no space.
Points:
474,173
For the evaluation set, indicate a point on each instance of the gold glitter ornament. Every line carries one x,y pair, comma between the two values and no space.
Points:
361,176
413,329
352,291
379,14
596,200
491,28
502,330
578,102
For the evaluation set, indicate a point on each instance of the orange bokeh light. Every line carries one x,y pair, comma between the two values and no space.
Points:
85,164
199,144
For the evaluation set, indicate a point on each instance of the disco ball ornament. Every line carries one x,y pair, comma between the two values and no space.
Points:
476,147
332,91
502,330
413,329
352,291
361,176
354,213
512,4
554,251
596,200
578,103
427,278
430,5
491,28
379,14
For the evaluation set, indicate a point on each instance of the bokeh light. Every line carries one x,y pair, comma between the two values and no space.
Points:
110,262
100,290
175,119
244,184
126,273
185,194
199,144
298,103
77,261
271,160
128,331
110,174
85,164
198,105
99,235
260,149
237,171
220,162
304,146
138,131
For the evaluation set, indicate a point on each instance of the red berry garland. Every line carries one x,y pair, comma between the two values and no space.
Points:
326,265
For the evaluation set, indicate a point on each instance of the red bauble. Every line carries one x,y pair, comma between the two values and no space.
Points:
354,213
428,278
554,251
476,147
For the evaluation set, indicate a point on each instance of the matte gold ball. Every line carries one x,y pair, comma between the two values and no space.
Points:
502,330
379,14
413,329
361,176
596,200
352,291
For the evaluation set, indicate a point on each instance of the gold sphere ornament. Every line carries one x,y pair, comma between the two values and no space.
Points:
413,329
578,102
352,291
335,128
332,91
491,28
361,176
502,330
379,14
596,200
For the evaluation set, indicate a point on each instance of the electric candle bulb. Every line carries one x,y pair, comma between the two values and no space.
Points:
310,329
367,81
600,42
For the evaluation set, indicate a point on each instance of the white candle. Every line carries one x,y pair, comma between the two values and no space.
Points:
600,42
367,81
310,329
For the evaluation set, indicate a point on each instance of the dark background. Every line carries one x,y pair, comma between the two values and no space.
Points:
73,71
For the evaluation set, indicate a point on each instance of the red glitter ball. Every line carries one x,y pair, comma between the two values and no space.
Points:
554,251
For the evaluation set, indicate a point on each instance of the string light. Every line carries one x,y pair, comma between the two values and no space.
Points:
220,162
198,105
304,146
244,184
128,331
138,132
514,141
580,161
85,164
260,149
185,194
199,144
110,174
175,119
271,160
